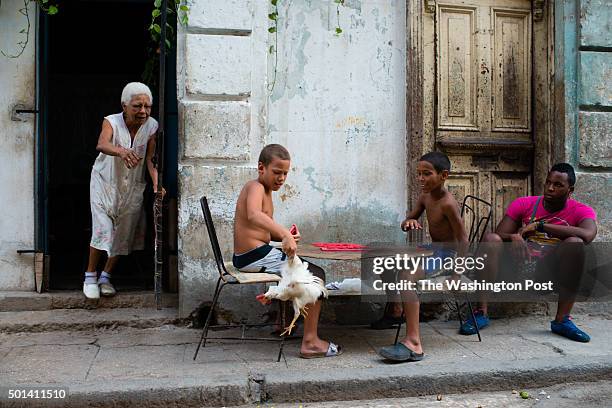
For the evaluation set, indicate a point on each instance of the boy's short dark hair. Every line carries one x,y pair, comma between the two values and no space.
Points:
438,160
567,169
271,151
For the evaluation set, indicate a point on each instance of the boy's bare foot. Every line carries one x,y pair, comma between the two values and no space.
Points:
320,348
314,346
413,345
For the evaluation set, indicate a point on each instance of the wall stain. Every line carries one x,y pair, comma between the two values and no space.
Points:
309,171
350,121
361,130
288,192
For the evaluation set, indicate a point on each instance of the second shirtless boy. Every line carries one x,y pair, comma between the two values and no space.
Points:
445,226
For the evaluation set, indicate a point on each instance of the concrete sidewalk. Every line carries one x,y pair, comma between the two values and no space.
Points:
140,367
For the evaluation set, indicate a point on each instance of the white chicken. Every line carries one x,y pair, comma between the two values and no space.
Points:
300,286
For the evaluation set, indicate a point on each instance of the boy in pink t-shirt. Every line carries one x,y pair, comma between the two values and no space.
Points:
558,216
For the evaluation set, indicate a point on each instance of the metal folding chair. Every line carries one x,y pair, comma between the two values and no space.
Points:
228,275
476,213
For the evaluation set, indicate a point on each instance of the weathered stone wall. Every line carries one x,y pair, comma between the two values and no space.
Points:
17,86
338,105
583,72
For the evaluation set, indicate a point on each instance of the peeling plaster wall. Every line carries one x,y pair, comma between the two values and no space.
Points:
584,69
17,86
338,105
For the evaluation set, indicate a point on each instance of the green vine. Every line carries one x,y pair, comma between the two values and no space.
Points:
273,29
46,6
273,48
177,12
338,4
175,9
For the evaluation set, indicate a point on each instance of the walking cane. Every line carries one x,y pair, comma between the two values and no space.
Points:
159,161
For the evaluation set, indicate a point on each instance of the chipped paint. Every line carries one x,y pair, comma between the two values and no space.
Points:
338,106
583,98
288,192
350,121
17,79
359,133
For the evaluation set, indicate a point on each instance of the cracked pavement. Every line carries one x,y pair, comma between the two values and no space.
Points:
162,356
159,352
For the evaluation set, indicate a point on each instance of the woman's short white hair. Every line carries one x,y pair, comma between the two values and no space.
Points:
135,88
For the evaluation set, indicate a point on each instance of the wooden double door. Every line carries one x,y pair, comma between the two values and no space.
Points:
485,92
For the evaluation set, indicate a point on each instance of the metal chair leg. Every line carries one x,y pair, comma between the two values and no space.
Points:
459,312
202,341
467,299
282,342
399,327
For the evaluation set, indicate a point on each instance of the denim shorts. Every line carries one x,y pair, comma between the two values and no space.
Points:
433,263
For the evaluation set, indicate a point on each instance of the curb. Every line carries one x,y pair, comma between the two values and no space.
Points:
84,326
14,301
406,380
392,381
81,320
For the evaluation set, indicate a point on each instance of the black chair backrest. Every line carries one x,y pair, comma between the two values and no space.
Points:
212,234
478,213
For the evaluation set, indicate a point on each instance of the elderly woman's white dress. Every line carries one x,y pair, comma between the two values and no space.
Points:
116,192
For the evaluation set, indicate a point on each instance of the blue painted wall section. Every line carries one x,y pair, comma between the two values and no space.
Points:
583,73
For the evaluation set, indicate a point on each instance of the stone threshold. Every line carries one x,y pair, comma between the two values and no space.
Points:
17,301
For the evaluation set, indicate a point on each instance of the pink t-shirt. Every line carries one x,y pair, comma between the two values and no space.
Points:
572,215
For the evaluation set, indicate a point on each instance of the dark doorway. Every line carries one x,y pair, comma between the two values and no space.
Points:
92,49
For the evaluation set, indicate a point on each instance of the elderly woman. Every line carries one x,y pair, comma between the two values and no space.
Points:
117,185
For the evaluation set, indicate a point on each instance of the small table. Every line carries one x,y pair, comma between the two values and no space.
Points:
310,251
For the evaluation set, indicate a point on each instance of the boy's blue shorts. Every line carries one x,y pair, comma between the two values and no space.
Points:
433,263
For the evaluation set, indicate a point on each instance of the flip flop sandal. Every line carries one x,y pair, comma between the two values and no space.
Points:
399,352
332,351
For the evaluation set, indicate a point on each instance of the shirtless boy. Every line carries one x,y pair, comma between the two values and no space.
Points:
445,226
254,228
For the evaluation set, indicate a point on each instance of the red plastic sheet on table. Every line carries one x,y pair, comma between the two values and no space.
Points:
339,246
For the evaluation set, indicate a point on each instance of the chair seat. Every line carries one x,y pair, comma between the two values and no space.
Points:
250,277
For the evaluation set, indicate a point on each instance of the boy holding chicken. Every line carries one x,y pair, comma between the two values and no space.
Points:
254,228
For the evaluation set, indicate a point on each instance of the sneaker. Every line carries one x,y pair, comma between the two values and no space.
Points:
107,289
91,290
567,328
469,328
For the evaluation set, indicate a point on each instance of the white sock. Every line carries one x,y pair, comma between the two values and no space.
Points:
104,277
91,277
